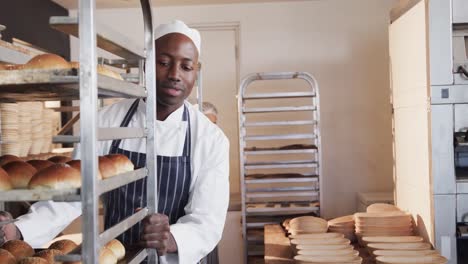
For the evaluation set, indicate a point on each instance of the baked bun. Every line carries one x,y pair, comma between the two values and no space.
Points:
6,257
7,159
57,176
59,159
20,173
107,167
75,64
65,246
106,256
34,260
121,162
49,254
40,164
47,61
101,69
117,248
5,183
19,249
76,164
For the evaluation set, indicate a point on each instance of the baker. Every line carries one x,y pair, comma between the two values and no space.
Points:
192,164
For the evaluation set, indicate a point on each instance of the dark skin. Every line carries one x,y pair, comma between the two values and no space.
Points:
176,73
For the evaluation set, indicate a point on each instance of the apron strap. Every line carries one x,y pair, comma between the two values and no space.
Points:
188,136
128,117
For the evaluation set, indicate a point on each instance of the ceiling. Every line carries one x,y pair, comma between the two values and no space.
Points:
73,4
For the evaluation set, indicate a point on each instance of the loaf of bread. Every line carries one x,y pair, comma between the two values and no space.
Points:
19,249
106,256
65,246
5,183
20,173
121,163
7,159
34,260
40,164
107,167
6,257
59,159
58,176
47,61
49,254
117,248
76,164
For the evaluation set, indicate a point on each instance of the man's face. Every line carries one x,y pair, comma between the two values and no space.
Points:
176,68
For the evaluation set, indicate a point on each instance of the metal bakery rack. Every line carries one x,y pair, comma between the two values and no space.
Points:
280,152
87,86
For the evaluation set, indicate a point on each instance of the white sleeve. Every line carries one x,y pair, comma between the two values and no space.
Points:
46,220
200,230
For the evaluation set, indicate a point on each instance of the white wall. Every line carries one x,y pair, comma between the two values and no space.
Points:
344,44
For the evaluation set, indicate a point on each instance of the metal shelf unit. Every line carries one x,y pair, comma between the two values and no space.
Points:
88,86
277,182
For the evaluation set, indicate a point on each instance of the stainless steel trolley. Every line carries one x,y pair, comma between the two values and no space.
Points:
280,153
88,86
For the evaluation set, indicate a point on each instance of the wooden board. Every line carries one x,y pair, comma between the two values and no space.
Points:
277,247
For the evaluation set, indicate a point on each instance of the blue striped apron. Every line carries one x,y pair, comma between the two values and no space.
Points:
174,176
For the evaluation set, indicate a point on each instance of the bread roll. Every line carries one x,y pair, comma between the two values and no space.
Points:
121,162
47,61
3,67
40,164
34,260
106,256
5,183
59,159
19,249
65,246
49,254
7,159
57,176
75,64
76,164
20,173
6,257
117,248
107,167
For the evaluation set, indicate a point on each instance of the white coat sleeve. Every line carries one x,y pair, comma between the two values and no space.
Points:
200,230
46,220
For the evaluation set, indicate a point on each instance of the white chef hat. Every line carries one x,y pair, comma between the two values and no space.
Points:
178,26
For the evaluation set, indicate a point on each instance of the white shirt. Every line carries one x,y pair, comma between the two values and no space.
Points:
196,233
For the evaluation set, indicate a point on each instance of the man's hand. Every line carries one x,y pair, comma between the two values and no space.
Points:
156,234
8,231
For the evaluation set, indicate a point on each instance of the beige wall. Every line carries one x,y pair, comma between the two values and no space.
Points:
344,44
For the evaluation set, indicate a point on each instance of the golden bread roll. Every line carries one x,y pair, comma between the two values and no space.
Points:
121,162
57,176
34,260
6,257
5,183
59,159
49,254
40,164
101,69
117,248
76,164
20,173
65,246
7,159
47,61
19,249
3,67
75,64
106,256
107,167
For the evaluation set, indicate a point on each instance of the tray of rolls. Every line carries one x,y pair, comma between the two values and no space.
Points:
49,77
56,178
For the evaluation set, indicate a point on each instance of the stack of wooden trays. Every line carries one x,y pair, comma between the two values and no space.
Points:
344,225
307,225
25,128
36,121
10,129
394,223
47,129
